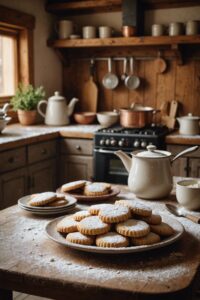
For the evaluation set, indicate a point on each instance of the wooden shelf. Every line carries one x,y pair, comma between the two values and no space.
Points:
173,41
91,6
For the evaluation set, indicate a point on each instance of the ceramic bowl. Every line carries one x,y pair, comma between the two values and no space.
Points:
3,123
188,193
107,118
84,117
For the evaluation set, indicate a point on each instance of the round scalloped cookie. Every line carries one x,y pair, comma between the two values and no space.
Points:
133,228
79,238
67,225
149,239
92,226
94,209
42,199
80,215
162,229
112,240
73,185
114,213
136,208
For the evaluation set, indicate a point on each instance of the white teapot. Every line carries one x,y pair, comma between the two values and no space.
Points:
150,175
57,111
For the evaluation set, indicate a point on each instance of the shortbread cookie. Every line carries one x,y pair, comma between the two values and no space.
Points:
154,219
92,226
59,202
136,208
79,238
67,225
78,216
133,228
114,213
70,186
42,199
162,229
60,196
97,189
112,239
94,209
149,239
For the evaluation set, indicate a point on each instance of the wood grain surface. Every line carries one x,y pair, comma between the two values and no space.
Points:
31,263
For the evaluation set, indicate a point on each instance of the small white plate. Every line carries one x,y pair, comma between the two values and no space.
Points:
60,239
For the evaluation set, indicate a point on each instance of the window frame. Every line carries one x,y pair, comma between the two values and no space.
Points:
22,24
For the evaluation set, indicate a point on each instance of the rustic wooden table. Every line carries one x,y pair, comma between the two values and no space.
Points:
32,263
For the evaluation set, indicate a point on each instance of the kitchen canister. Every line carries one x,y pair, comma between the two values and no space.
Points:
89,32
191,27
157,29
175,28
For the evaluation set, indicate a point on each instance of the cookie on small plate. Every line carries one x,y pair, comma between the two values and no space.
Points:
97,189
42,199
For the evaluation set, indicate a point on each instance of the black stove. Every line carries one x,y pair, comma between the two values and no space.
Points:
131,139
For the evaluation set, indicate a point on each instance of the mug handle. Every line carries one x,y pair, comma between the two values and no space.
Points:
38,107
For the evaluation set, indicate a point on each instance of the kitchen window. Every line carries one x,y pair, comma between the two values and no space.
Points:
16,51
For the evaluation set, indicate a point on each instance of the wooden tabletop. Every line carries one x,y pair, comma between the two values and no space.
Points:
32,263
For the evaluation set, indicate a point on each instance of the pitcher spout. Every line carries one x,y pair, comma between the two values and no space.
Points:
126,160
71,106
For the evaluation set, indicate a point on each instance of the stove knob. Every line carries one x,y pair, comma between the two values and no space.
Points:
136,144
102,142
121,143
143,144
113,142
107,142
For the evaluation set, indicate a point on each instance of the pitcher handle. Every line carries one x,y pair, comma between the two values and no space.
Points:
38,107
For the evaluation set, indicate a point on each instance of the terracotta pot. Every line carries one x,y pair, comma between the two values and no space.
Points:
26,117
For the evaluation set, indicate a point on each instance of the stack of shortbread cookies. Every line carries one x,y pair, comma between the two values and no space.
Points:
86,188
47,199
123,224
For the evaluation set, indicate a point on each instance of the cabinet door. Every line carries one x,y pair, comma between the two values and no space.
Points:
14,185
74,167
194,164
43,176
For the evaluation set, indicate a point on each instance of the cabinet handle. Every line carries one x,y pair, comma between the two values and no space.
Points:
78,147
44,151
11,160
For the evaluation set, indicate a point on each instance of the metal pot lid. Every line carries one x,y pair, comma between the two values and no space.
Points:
152,152
190,117
56,97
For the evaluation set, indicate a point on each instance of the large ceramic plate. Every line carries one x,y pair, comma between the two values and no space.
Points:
60,239
114,192
51,210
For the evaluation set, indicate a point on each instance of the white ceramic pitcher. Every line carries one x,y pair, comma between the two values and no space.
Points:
57,110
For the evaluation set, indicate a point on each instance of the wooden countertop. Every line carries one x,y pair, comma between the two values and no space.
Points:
31,263
16,135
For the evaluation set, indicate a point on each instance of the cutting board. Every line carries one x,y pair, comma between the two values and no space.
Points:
90,92
170,120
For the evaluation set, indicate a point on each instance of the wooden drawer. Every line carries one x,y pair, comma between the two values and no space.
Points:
41,151
77,146
12,159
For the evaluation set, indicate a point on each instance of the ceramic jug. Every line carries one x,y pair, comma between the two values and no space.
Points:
150,174
189,124
57,110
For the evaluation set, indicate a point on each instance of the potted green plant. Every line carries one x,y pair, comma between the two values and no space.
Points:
25,102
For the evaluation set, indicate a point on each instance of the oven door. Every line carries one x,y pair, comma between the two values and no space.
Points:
108,167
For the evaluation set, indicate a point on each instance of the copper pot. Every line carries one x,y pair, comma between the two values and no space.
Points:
137,116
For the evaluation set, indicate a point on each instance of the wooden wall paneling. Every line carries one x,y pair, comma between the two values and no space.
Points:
137,95
196,91
120,94
105,95
165,87
184,86
149,86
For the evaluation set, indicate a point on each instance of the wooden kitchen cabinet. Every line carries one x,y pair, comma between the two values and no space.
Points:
26,170
76,160
188,165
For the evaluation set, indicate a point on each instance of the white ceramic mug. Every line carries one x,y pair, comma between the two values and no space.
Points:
192,27
175,28
105,32
64,29
157,30
89,32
